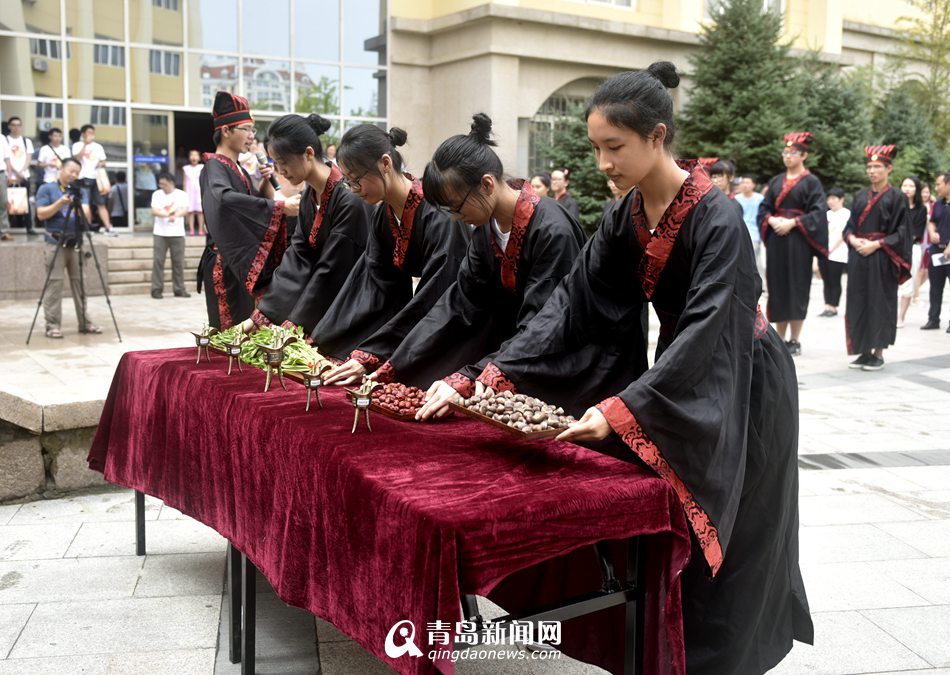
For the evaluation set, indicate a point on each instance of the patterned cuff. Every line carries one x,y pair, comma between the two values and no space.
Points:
386,373
493,377
464,386
617,414
259,319
369,361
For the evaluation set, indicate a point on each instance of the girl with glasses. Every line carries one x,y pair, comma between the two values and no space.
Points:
408,237
521,248
331,232
716,416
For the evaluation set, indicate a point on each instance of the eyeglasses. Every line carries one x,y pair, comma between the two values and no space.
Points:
249,130
458,209
790,153
354,184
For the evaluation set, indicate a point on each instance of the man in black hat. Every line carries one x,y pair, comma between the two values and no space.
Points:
794,228
247,229
878,234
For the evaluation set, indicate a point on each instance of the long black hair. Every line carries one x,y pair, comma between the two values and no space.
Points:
638,100
918,200
293,134
365,144
460,162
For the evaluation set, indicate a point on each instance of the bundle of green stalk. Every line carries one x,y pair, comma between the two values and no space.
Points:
298,355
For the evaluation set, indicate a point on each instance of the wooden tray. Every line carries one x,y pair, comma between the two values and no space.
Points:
522,435
387,412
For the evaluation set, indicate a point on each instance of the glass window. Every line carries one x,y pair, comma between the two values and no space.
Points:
364,92
322,44
208,73
267,84
26,71
364,33
267,27
110,123
103,19
38,116
150,157
36,16
158,23
213,25
318,89
87,79
157,76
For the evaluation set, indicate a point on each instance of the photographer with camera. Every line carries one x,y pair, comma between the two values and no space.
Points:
53,201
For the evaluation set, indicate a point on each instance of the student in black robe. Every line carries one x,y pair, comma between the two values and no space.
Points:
878,234
717,414
247,229
521,248
376,308
559,185
794,228
331,233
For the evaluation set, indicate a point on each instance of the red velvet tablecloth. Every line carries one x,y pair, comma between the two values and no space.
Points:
368,529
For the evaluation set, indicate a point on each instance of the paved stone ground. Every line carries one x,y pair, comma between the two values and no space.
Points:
875,533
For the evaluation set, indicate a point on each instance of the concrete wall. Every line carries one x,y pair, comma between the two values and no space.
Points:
23,271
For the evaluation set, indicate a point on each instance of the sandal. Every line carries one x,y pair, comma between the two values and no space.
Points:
55,333
91,328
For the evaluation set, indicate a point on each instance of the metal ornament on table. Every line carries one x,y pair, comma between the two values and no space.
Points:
234,350
203,339
361,398
274,359
313,380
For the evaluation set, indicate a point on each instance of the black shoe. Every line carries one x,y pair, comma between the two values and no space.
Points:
829,312
794,347
182,294
874,363
860,361
157,295
930,325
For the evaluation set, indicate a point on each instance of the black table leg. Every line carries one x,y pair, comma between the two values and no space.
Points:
234,604
139,523
635,608
248,615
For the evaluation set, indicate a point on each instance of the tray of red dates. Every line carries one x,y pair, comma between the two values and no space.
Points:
399,401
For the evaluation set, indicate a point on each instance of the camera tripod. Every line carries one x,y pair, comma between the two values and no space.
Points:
74,211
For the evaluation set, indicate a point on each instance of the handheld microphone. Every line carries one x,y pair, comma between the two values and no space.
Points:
262,159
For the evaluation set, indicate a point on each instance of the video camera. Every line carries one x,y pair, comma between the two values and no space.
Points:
74,190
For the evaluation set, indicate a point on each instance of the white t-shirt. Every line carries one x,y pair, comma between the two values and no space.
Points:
21,153
53,157
169,202
90,158
501,237
837,220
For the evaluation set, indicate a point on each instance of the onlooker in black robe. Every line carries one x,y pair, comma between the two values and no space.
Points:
521,248
331,232
247,231
717,414
559,185
794,228
879,236
376,308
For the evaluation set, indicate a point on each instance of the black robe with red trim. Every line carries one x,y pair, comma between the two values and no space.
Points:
788,266
717,417
871,316
376,308
247,237
569,204
329,240
495,296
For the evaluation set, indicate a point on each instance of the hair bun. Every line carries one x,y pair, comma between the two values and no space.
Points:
320,125
666,73
481,129
397,136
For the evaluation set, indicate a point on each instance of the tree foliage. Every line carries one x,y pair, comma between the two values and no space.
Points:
927,41
902,121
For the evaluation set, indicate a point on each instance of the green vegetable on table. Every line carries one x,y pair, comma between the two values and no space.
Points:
298,355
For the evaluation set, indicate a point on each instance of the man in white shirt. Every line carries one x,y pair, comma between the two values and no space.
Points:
20,151
4,218
92,157
52,155
170,207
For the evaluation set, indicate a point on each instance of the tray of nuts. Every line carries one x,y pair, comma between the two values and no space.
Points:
524,416
399,401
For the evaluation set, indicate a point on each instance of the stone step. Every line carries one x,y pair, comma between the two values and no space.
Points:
141,265
142,276
131,289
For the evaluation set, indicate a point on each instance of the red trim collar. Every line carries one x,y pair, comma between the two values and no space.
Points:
332,181
402,233
229,163
524,211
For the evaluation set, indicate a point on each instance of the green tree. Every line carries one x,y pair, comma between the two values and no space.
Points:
570,148
739,104
927,41
902,121
320,97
